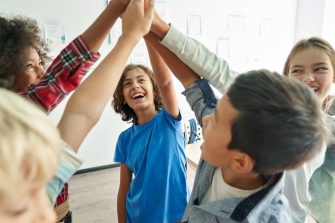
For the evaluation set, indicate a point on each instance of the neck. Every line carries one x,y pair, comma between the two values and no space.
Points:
244,181
144,116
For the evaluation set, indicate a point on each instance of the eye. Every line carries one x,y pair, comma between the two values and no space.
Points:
321,69
41,63
18,212
29,66
296,71
142,80
126,84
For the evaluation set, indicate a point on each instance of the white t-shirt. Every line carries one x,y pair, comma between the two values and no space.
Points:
220,190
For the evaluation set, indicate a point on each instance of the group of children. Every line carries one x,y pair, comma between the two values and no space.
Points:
264,156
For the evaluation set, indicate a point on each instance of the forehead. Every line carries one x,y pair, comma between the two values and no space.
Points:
225,112
310,56
135,73
32,54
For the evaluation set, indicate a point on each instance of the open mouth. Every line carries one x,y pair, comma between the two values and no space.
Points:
315,89
137,96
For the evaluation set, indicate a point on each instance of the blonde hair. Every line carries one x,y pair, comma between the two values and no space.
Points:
29,145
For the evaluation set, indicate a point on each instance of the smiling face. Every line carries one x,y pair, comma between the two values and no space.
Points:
313,67
138,91
29,206
32,72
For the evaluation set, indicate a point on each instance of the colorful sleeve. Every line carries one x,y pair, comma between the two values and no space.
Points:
201,99
69,164
63,75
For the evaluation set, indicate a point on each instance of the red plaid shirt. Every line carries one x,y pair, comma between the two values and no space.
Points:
62,76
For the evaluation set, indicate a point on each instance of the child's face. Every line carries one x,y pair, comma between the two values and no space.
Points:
313,67
217,134
31,205
138,90
33,71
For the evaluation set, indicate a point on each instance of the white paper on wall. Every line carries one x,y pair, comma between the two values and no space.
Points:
194,25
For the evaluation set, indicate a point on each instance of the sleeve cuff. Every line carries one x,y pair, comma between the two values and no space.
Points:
174,39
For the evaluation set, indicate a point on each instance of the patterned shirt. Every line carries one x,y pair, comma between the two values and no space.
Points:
62,76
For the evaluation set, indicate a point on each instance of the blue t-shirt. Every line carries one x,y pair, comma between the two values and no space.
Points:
154,153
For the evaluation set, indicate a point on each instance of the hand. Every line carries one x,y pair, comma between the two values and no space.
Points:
120,3
137,18
159,26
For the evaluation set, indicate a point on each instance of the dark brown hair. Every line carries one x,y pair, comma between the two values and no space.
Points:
280,123
17,35
122,108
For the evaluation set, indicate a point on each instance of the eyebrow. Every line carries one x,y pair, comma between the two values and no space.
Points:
316,64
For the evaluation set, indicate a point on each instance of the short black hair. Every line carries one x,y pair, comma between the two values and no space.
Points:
279,123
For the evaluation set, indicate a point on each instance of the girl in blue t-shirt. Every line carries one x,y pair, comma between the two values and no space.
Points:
151,152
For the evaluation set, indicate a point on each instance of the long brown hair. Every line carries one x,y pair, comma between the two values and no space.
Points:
127,113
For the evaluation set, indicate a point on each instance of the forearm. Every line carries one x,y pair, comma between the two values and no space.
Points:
121,207
183,72
164,81
200,59
95,34
88,101
201,99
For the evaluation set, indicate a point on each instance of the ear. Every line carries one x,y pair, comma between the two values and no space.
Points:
242,162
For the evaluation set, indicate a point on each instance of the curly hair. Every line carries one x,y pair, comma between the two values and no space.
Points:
127,113
17,35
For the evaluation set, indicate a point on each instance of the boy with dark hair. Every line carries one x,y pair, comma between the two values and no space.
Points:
266,123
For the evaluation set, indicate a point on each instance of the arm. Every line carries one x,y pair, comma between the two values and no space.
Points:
87,103
183,72
164,81
68,69
125,180
193,53
95,34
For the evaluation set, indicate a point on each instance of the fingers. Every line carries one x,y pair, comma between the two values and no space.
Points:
150,10
138,17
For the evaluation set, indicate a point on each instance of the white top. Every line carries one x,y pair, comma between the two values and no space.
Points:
220,190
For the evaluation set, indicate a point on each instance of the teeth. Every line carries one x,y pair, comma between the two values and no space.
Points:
137,95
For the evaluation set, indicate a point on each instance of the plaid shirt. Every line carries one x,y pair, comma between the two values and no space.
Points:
62,76
268,205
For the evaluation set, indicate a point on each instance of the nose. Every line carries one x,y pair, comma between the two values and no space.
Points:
40,72
308,77
135,85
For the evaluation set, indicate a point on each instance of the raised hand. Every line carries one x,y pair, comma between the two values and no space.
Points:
137,18
122,4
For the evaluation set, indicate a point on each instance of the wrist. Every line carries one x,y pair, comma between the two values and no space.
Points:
117,6
160,28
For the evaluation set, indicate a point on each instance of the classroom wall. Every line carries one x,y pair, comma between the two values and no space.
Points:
250,34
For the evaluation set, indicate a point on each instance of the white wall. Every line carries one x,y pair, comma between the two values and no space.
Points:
260,34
